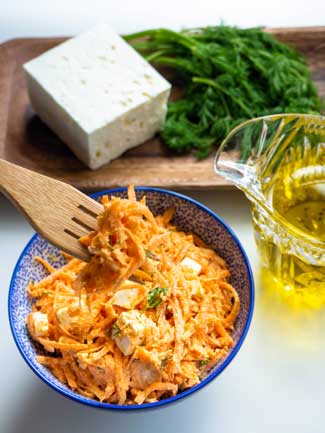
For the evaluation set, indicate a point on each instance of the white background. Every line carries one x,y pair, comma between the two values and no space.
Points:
276,382
65,17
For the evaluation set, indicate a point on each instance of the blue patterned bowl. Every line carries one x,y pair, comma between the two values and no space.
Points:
190,216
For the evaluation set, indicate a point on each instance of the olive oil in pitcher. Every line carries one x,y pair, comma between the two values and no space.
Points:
297,194
283,175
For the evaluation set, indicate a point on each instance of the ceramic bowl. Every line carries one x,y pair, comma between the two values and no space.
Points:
190,216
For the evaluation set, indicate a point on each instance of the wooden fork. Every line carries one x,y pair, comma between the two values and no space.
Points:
57,211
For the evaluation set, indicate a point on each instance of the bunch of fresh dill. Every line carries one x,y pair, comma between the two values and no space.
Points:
229,75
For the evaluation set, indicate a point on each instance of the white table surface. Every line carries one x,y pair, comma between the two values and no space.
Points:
276,382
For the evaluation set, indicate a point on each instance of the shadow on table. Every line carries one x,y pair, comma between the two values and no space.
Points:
45,411
294,318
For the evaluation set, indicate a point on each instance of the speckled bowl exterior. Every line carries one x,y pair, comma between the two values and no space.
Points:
190,216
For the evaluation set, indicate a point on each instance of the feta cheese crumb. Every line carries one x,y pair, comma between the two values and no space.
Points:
64,317
65,314
196,288
125,298
41,324
131,326
187,262
145,368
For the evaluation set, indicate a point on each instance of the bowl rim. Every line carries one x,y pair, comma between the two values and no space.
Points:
97,404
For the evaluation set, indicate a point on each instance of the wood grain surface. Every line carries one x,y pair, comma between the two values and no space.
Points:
62,215
26,141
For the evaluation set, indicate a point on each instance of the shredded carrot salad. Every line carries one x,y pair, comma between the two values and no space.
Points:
146,318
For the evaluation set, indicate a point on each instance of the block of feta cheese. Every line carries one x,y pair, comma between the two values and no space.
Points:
98,95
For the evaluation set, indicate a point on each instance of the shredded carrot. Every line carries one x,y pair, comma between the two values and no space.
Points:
45,264
147,317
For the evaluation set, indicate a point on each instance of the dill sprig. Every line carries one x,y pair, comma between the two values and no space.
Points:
155,297
228,75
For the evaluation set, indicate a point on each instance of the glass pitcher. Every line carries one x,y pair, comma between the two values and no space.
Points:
279,162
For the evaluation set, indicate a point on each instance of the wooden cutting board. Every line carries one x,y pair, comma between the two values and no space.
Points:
26,141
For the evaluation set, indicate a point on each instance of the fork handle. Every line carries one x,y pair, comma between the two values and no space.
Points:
54,209
15,182
25,189
30,191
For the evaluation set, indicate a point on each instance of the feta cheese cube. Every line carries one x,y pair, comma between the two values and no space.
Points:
126,298
187,262
40,324
196,288
65,314
145,369
64,317
125,344
131,327
98,94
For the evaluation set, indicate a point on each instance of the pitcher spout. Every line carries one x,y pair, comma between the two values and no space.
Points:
251,154
238,157
242,175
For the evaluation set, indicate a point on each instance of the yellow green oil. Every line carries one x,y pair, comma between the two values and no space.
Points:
301,205
290,239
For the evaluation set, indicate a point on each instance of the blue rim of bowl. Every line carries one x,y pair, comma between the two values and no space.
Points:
183,394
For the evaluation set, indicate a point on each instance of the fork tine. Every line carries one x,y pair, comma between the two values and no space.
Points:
72,234
89,205
71,245
84,224
85,218
76,228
